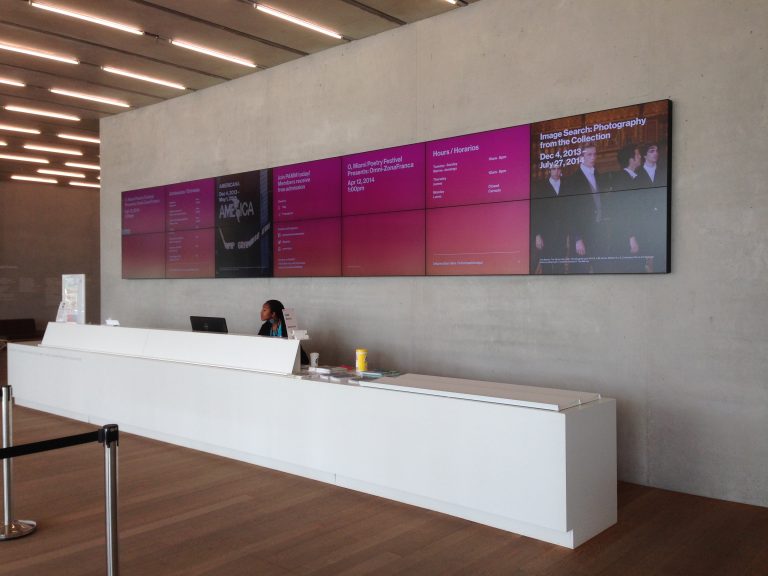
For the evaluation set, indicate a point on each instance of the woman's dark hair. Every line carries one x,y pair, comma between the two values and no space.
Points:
277,307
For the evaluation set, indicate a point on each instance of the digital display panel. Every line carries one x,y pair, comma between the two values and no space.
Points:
479,168
583,194
580,167
189,205
477,240
189,254
308,248
243,238
309,190
389,244
144,211
386,180
144,255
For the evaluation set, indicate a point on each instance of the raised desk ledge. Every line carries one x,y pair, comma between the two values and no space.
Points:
238,351
478,390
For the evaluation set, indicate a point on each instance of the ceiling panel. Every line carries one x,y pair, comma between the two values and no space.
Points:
230,26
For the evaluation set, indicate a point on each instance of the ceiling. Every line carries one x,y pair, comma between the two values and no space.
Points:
235,27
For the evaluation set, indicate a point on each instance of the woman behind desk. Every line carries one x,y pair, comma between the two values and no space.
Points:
274,324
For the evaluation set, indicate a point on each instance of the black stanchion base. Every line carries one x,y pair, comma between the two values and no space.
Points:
17,529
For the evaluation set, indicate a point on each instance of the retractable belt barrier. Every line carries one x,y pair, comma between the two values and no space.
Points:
107,435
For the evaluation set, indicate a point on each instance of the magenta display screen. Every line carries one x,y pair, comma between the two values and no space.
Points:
306,191
308,248
144,211
582,194
478,240
389,244
387,180
190,254
190,205
479,168
144,255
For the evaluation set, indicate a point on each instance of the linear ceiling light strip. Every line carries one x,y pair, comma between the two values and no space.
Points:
88,17
54,149
92,97
78,137
34,179
38,53
11,82
13,128
298,21
16,157
212,52
38,112
145,78
60,173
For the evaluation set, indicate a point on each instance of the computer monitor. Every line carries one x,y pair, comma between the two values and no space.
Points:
208,324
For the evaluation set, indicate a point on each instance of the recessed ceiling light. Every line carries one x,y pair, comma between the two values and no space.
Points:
78,137
212,52
18,158
88,17
61,173
26,110
12,82
12,128
299,21
80,165
34,179
38,53
101,99
85,184
143,77
41,148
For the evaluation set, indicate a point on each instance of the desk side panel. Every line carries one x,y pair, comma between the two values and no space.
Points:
591,468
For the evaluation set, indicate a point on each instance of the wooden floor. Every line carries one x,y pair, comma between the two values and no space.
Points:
184,512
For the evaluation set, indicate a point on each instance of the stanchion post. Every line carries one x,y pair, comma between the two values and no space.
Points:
109,435
10,528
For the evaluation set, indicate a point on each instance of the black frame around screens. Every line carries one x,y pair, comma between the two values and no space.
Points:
562,196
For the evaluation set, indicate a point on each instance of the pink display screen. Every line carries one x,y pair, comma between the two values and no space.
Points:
190,254
384,180
144,256
389,244
307,191
144,211
479,239
190,205
479,168
308,248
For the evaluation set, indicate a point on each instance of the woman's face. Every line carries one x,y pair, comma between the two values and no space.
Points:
266,313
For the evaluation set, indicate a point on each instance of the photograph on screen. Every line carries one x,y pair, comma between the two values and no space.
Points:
478,240
479,168
632,236
243,235
308,248
388,244
578,163
307,191
388,180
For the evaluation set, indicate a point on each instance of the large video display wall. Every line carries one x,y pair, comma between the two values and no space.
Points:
578,195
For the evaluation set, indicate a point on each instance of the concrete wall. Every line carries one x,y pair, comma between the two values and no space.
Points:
47,231
684,354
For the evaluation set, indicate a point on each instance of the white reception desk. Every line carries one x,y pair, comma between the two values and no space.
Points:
533,461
